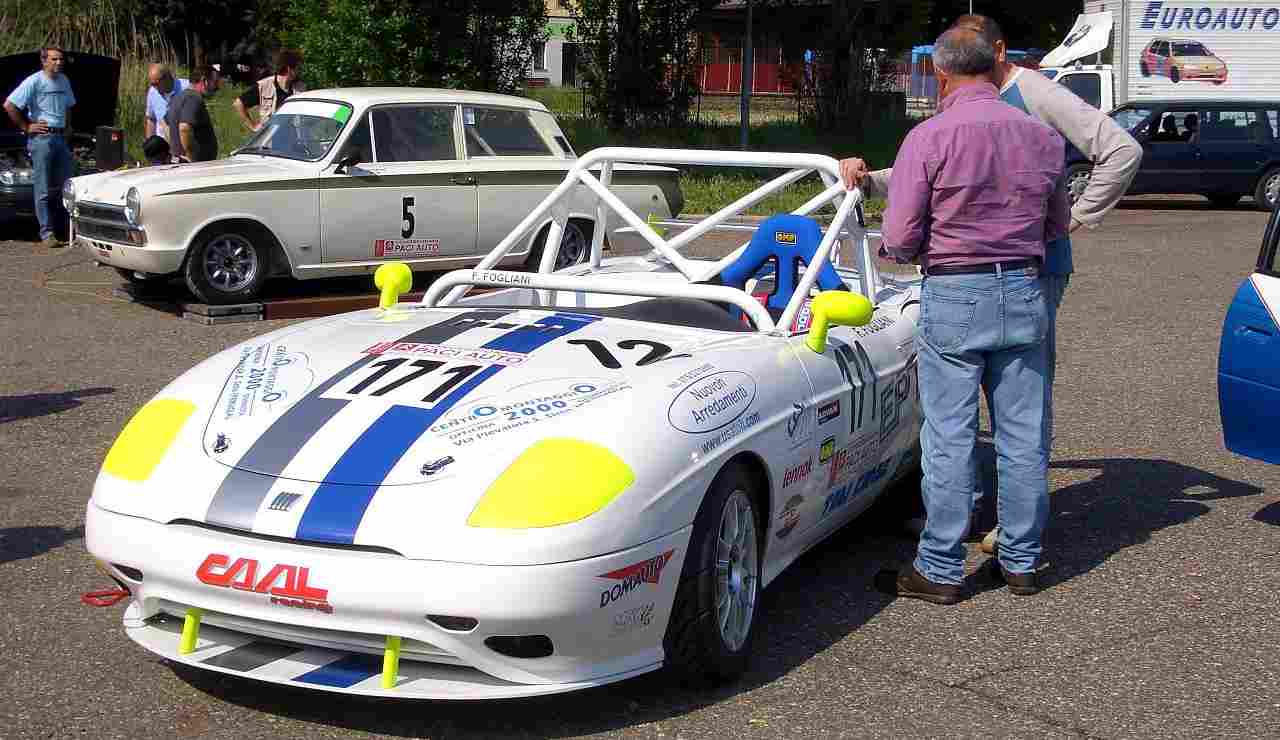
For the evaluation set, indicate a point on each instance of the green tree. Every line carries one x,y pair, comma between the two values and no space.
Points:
475,44
640,58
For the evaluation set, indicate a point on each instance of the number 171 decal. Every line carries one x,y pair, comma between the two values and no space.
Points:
401,380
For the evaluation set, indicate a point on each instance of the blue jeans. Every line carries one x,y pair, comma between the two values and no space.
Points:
976,331
1055,286
51,166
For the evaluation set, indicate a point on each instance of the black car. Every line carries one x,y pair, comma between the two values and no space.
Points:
1223,150
95,81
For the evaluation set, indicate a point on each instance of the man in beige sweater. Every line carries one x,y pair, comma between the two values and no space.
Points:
1114,153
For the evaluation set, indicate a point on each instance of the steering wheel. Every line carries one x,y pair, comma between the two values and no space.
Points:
789,240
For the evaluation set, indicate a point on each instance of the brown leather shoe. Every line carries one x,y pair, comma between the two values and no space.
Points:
1020,584
910,584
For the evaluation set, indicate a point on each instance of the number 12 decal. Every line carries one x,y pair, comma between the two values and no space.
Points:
455,375
657,351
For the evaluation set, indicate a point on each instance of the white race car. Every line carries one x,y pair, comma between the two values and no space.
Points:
575,478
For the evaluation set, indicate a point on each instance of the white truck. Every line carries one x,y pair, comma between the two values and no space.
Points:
1120,51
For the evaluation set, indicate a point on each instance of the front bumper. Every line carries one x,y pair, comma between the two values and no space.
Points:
336,644
17,200
101,229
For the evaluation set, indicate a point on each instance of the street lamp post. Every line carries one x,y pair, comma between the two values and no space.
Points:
748,65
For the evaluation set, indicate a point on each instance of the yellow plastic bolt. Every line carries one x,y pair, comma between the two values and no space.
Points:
390,662
836,307
190,631
393,279
652,223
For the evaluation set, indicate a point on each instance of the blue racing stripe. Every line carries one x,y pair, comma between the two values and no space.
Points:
344,672
336,509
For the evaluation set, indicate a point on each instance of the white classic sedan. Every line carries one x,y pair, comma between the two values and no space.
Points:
340,181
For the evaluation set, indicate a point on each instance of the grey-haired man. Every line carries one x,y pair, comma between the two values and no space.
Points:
1115,154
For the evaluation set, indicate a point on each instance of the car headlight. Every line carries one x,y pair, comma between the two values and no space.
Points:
555,481
15,177
133,207
68,195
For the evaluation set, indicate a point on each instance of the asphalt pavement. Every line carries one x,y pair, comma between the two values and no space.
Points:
1162,621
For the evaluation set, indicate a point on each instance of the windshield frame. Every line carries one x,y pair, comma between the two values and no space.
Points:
337,140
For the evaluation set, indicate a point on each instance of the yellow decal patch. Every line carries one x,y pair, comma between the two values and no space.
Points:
784,237
142,444
555,481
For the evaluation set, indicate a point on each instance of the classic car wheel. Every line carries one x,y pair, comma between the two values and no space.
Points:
1077,180
1174,74
1267,195
1224,200
575,247
712,626
228,264
1143,68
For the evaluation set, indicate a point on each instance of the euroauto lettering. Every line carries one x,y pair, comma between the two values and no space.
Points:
1160,15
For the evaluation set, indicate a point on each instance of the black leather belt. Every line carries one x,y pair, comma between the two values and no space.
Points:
988,267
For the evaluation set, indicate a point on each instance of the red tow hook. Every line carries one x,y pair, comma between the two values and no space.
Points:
104,598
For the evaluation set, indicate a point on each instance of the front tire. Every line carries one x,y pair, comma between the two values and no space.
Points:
228,264
1077,180
1174,75
712,628
1143,68
1267,195
575,247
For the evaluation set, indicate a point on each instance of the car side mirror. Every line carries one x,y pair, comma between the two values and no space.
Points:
839,307
346,162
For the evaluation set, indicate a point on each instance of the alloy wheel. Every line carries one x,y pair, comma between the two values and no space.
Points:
736,569
230,263
573,245
1077,183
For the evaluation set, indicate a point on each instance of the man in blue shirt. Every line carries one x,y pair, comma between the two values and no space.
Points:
41,107
164,88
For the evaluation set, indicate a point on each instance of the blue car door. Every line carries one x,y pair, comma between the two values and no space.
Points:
1249,359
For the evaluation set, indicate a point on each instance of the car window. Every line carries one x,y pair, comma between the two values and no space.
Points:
500,132
1273,119
1088,86
1050,73
1233,125
357,144
301,129
1129,118
1173,126
413,133
1189,49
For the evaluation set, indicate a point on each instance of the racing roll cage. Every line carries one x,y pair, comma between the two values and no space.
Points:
453,285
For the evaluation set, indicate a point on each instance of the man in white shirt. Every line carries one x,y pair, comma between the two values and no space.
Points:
164,87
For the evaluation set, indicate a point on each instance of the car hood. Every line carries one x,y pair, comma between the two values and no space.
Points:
1200,61
321,433
111,187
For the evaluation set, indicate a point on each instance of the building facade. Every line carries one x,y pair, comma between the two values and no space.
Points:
556,61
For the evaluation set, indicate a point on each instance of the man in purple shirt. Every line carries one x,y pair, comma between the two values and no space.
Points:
976,192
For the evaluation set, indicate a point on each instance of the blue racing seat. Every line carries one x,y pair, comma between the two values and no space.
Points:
790,240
